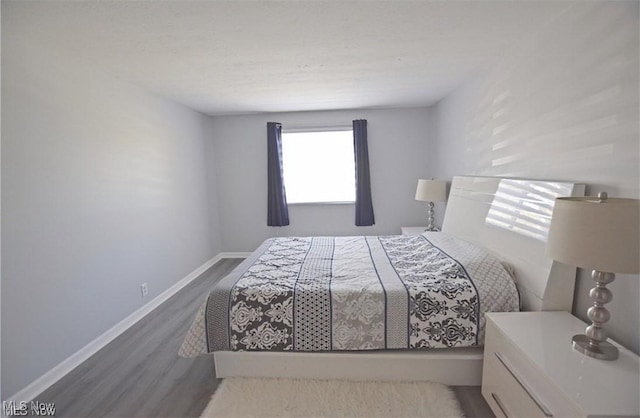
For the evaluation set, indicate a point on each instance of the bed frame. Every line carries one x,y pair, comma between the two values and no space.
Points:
519,211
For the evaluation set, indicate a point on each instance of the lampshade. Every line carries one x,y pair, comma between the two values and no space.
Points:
431,190
595,233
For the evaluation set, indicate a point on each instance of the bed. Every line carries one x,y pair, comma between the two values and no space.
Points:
388,307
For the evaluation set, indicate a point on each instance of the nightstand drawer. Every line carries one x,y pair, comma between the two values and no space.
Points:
514,387
502,390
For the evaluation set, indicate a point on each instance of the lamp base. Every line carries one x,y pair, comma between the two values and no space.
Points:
602,350
430,225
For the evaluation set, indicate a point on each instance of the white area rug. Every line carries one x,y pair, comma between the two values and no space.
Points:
248,397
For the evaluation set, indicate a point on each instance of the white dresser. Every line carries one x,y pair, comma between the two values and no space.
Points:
531,370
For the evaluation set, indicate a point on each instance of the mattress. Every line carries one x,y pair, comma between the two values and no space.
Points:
354,293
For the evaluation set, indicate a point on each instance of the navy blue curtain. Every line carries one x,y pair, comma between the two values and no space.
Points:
277,210
364,206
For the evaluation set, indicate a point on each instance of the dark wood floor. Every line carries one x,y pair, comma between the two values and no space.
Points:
139,374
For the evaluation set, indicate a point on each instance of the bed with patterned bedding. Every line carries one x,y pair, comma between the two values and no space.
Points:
354,293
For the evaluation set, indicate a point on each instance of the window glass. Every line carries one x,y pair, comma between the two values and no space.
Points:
319,167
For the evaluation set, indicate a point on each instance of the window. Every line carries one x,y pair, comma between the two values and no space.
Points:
319,166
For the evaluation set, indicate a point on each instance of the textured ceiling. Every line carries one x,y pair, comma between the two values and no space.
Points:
266,56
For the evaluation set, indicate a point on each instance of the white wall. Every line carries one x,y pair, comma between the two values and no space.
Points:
211,184
564,107
397,139
104,187
0,222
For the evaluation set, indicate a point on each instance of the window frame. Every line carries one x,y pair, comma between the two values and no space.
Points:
331,128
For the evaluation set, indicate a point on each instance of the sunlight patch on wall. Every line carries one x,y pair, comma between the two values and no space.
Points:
525,207
566,106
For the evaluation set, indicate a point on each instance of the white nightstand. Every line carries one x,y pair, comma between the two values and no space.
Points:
530,369
413,230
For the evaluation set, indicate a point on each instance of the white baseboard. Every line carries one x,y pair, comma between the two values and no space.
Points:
39,385
234,255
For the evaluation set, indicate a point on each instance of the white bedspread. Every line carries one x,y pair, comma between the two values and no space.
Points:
354,293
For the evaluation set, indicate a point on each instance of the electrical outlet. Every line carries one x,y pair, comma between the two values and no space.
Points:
144,289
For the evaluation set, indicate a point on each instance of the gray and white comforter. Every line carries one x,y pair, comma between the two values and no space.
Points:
354,293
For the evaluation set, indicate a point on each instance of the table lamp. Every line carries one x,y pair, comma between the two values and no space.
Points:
601,234
431,191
